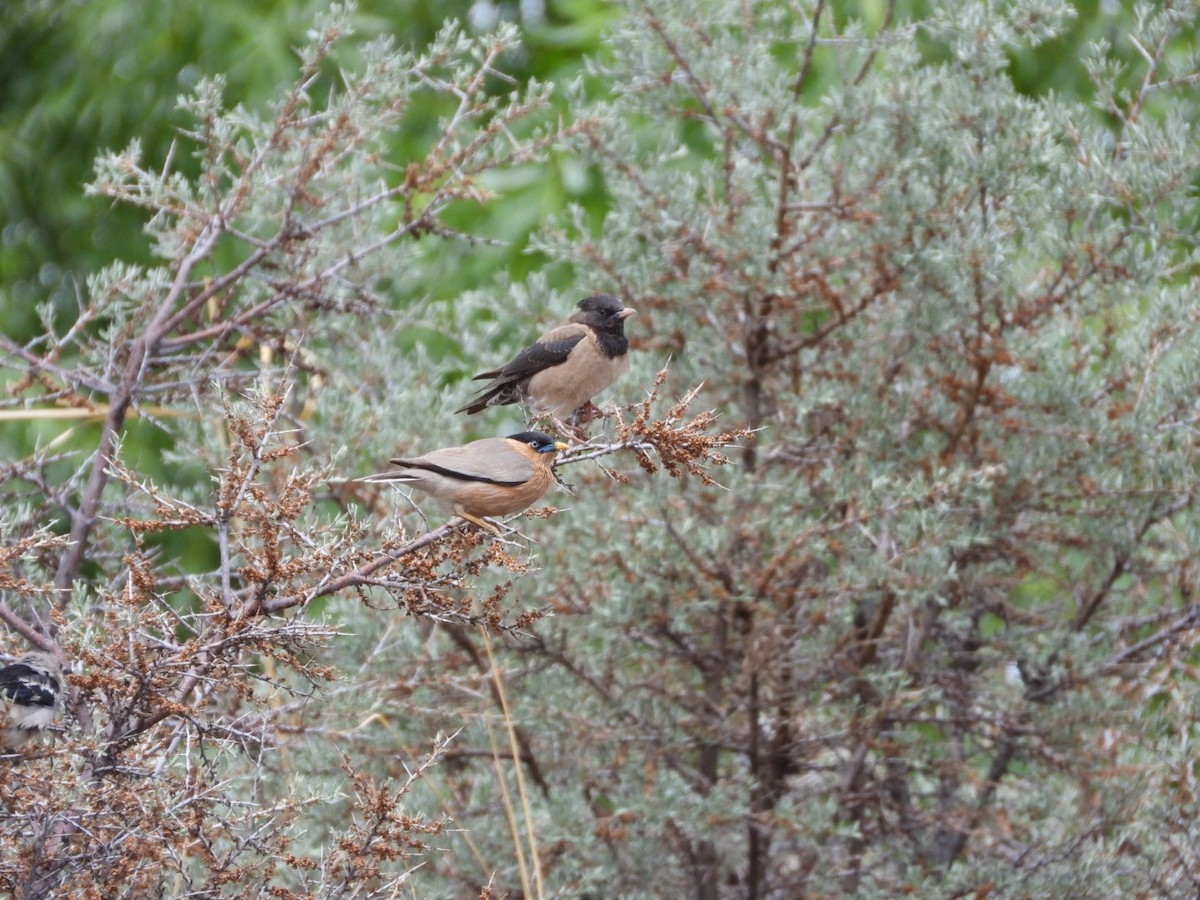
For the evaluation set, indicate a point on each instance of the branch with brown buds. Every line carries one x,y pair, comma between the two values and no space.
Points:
682,445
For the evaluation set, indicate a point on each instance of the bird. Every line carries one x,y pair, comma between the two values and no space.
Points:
489,477
567,366
31,690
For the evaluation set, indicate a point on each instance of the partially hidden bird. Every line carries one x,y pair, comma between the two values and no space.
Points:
490,477
31,690
567,366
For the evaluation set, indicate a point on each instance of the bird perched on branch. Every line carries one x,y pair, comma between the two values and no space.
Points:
567,366
31,692
491,477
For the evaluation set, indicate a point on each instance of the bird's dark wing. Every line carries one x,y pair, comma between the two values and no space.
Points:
492,461
551,349
28,687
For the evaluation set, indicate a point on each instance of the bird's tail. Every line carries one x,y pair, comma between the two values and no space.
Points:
480,403
502,393
380,477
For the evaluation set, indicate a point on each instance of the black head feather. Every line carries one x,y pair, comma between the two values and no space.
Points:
538,440
605,315
601,311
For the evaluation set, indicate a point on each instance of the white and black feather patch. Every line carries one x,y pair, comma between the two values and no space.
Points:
25,686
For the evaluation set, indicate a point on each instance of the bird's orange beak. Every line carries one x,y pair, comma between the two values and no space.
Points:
559,445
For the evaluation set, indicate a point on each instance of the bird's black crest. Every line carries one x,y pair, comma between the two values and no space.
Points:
603,314
540,441
601,303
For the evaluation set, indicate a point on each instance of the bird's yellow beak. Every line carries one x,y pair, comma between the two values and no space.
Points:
559,445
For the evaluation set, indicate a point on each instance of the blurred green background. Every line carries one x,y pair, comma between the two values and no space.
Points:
80,77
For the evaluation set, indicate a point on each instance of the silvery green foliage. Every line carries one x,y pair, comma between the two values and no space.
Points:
963,319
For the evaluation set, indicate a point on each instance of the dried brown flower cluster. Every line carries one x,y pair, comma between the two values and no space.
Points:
682,445
670,440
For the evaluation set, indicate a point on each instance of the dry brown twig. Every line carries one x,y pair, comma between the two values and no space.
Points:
682,445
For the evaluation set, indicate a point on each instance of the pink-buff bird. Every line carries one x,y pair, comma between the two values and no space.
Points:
567,366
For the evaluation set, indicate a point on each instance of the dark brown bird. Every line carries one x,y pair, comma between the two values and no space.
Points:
491,477
30,693
568,366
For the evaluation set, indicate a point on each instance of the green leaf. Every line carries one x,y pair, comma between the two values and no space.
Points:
991,624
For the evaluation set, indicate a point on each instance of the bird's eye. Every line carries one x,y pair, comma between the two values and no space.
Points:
535,445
